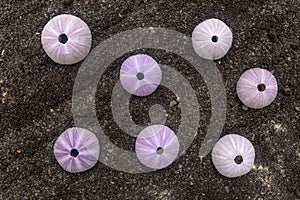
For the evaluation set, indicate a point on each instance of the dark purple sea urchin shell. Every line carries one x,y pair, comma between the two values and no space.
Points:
77,150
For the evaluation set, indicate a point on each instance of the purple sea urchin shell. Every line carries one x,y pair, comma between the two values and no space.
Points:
66,39
157,146
233,155
140,75
257,88
77,150
212,39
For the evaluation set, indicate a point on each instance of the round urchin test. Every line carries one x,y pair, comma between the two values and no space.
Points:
140,75
157,146
257,88
66,39
76,150
212,39
233,155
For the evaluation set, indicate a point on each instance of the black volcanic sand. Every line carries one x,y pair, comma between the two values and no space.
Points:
36,97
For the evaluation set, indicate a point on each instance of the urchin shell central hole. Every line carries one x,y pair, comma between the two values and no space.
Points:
74,153
140,76
214,38
63,38
261,87
238,159
159,150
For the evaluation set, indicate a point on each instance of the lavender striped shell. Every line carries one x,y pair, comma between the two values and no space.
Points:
233,155
257,88
157,146
66,39
212,39
140,75
77,150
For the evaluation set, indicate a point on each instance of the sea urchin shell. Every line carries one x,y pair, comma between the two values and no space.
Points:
212,39
140,75
157,146
233,155
66,39
77,150
257,88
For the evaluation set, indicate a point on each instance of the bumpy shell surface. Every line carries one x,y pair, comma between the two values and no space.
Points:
77,34
140,75
157,146
81,140
212,39
226,151
257,88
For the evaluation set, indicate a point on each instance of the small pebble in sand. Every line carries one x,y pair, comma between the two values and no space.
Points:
77,150
227,189
173,103
244,107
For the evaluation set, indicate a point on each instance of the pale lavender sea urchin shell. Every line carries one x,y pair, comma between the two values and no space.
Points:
140,75
233,155
257,88
157,146
212,39
66,39
77,150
